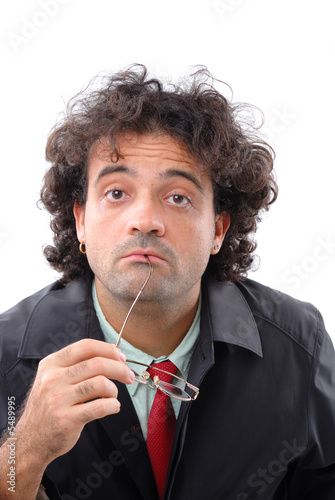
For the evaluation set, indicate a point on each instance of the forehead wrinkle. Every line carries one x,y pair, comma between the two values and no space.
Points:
159,153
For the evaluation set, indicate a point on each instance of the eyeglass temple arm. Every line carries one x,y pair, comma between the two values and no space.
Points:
136,299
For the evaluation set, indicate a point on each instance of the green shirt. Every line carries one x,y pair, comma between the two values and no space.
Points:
141,395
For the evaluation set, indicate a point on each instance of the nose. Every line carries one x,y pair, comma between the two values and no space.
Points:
146,217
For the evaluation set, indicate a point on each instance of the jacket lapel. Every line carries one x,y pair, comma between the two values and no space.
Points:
124,431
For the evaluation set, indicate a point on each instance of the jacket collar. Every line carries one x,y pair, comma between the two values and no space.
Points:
229,316
60,317
66,314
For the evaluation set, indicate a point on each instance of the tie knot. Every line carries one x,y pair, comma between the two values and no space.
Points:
167,366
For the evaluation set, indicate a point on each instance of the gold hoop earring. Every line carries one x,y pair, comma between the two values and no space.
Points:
81,248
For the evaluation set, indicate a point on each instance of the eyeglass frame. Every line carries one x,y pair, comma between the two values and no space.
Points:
147,374
156,380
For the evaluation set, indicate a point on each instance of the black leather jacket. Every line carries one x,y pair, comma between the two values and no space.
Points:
263,426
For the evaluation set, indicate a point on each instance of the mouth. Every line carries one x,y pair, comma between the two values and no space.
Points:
141,255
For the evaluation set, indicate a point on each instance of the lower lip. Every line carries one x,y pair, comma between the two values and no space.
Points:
142,258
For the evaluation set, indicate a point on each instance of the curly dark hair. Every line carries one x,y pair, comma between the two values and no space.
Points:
193,112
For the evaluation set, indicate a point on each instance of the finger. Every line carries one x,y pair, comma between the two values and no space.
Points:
86,349
99,366
96,387
99,408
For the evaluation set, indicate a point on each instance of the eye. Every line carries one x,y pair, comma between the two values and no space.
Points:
115,195
179,199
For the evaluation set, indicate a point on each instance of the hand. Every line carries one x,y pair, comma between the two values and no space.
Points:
64,396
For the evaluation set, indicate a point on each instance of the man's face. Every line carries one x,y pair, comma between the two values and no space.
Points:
153,201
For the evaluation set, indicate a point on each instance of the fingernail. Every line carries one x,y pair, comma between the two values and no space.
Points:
122,357
132,375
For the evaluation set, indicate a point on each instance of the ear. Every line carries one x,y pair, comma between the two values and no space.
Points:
222,223
79,215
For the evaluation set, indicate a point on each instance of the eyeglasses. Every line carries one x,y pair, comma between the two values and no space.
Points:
170,389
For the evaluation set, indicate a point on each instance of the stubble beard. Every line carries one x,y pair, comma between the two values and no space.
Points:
124,286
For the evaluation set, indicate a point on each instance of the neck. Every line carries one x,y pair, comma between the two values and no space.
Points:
152,328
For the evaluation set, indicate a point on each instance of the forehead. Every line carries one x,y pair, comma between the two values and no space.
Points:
148,147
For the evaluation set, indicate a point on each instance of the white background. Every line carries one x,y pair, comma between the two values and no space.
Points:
275,54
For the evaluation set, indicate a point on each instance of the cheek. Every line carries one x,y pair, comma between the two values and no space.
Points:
97,231
198,233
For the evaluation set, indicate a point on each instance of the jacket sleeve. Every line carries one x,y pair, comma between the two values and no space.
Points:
314,476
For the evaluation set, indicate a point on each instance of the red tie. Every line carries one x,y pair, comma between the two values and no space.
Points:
161,427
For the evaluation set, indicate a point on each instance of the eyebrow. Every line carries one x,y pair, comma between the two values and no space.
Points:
110,170
175,172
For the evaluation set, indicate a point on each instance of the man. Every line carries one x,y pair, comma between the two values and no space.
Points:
160,190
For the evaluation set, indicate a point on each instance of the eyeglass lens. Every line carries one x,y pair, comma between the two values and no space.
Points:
171,390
